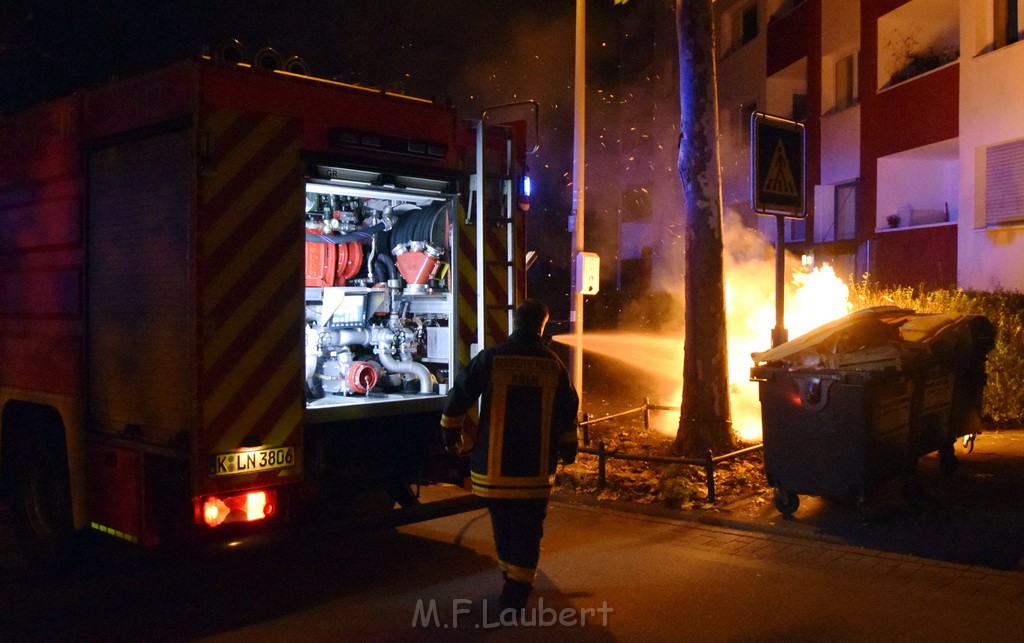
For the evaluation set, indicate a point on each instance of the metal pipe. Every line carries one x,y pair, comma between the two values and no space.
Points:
660,459
614,415
779,333
736,454
662,407
408,368
708,462
481,268
360,336
709,474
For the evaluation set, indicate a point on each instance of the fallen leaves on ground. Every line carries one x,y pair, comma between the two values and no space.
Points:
677,486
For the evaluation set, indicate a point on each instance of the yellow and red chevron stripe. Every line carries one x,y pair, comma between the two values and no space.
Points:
495,293
251,285
465,288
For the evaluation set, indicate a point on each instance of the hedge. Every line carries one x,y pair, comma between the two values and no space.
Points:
1004,401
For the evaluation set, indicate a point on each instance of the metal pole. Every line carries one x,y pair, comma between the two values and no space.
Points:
709,474
576,220
779,334
481,269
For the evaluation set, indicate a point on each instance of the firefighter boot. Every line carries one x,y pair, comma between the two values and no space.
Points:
514,595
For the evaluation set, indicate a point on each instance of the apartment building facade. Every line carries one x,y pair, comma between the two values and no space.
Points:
914,112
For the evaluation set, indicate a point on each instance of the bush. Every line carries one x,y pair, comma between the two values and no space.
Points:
1003,402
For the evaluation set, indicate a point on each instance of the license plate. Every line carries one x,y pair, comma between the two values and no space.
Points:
229,464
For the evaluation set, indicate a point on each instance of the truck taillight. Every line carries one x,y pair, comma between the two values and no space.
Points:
243,507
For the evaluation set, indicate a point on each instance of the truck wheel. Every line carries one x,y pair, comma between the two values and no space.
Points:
786,502
42,504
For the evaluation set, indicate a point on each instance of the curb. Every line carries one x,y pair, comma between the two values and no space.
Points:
810,534
701,517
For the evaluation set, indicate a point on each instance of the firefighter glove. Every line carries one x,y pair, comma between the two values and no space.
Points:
450,438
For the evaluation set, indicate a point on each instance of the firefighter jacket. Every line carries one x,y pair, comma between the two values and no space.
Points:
527,417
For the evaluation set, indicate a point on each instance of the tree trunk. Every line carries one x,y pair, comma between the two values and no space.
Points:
704,420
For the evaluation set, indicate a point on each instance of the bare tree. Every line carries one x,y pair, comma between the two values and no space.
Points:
704,420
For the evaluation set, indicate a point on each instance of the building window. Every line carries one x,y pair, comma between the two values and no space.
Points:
845,222
800,107
741,26
1004,23
796,230
1004,183
846,85
749,24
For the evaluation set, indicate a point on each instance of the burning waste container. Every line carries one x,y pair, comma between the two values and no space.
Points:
858,401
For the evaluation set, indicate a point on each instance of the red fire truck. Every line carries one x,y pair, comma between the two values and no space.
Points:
231,296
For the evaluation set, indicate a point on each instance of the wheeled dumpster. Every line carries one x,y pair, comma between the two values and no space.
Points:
950,385
858,401
831,432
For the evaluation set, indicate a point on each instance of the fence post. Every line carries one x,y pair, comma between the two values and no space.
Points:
586,429
601,460
647,414
709,474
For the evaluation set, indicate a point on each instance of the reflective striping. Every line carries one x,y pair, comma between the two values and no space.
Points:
239,213
452,421
466,288
496,294
250,283
268,344
522,574
254,308
110,531
261,413
496,431
238,156
269,348
254,244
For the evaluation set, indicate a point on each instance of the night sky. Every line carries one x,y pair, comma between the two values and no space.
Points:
470,53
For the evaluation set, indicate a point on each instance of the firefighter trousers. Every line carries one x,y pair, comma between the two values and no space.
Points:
518,526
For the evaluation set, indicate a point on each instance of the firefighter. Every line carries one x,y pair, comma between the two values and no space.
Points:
527,422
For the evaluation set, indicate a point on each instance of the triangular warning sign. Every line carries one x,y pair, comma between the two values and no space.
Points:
780,175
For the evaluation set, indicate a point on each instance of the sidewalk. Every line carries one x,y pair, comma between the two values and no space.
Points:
974,518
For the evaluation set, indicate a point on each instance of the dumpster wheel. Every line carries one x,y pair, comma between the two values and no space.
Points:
786,502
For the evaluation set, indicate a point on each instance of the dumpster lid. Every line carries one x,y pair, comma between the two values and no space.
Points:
868,339
885,337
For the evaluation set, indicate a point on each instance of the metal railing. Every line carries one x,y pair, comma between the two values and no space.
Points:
708,461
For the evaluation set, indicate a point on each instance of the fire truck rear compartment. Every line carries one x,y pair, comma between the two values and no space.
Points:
378,320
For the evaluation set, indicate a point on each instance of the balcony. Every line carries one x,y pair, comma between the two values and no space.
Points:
919,188
918,37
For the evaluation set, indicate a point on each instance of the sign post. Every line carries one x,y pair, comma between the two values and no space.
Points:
778,153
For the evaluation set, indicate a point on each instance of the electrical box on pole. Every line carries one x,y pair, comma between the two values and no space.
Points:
588,273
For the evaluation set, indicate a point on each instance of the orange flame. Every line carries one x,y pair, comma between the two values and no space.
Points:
812,298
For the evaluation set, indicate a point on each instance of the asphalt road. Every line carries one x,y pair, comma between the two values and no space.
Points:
939,570
632,577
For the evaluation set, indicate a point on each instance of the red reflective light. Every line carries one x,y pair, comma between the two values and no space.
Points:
242,507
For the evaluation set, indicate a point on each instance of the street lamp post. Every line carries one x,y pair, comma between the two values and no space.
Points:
576,219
